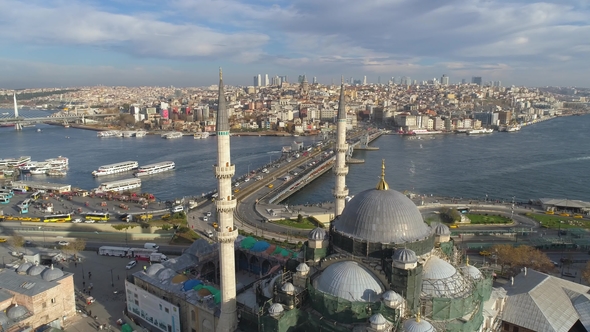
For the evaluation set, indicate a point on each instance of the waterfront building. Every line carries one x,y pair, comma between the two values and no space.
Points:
33,296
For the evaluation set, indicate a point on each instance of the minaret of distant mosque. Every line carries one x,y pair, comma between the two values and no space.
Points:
340,169
226,232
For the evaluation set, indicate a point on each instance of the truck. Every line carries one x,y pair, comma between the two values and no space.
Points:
113,251
157,257
141,254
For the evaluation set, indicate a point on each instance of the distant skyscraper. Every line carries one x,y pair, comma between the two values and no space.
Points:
351,80
315,80
365,80
404,81
463,81
476,80
300,79
259,80
266,82
444,80
255,81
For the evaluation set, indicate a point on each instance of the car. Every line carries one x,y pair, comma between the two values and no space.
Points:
205,218
177,209
209,233
130,265
209,214
77,220
2,240
215,195
484,253
63,243
27,243
246,179
89,221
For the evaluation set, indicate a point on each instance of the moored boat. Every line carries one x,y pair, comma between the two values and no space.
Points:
172,135
479,131
201,135
120,185
56,172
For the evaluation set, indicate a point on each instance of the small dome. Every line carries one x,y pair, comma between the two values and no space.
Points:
440,279
35,270
24,267
418,325
153,269
52,274
16,312
275,309
471,271
318,234
382,216
441,229
288,287
166,274
405,256
3,319
378,319
392,296
350,281
302,267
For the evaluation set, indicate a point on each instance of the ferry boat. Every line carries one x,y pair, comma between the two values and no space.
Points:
58,162
420,132
155,168
172,135
116,168
15,162
201,135
513,128
140,133
479,131
39,170
120,185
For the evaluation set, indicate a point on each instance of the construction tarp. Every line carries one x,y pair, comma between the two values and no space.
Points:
214,291
260,246
190,284
248,242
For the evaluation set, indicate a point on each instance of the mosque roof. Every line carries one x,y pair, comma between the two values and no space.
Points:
405,255
418,325
440,279
317,234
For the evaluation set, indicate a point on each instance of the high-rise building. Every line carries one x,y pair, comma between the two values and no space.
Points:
476,80
315,80
266,81
255,81
405,81
225,233
463,81
365,80
259,80
444,80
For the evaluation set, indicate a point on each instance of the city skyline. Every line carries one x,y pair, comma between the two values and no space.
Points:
181,43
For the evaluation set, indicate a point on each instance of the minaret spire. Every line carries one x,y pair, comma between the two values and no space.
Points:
340,168
226,233
382,185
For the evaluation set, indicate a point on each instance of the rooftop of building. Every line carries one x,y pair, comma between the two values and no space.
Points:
29,285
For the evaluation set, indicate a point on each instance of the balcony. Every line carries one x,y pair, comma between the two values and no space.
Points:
224,172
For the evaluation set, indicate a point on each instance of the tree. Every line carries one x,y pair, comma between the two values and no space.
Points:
450,216
299,218
75,246
126,120
514,259
17,241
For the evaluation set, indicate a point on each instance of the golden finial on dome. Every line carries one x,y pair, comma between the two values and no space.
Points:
220,74
418,318
382,185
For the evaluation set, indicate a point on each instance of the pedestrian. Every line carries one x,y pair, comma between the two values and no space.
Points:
62,267
75,264
90,313
84,284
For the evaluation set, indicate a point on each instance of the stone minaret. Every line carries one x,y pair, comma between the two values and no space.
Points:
340,169
225,204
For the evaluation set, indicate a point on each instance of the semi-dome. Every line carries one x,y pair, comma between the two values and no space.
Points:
350,281
392,296
440,279
16,312
24,267
52,274
471,271
153,269
35,270
302,267
288,287
275,309
406,256
418,325
3,319
378,319
317,234
382,216
442,229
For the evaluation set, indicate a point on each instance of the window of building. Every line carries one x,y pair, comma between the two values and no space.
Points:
44,305
136,302
166,309
53,300
169,328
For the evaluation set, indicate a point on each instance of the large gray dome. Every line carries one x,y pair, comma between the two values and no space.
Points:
350,281
16,312
24,267
382,216
35,270
52,274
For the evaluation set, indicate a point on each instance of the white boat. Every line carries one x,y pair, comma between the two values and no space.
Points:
56,172
59,162
15,162
128,134
201,135
171,135
120,185
513,128
479,131
140,133
39,170
116,168
155,168
422,132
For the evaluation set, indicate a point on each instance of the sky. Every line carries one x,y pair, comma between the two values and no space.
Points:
55,43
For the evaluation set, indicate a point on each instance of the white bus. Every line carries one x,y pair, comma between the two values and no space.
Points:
114,251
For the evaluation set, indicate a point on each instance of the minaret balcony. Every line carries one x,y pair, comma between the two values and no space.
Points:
224,172
224,205
341,170
342,147
340,194
228,235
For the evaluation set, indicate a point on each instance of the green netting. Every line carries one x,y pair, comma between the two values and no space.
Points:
248,242
214,291
277,250
285,252
126,328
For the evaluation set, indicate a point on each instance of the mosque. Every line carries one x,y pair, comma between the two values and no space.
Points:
378,267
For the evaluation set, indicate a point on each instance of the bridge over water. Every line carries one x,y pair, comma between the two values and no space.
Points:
19,120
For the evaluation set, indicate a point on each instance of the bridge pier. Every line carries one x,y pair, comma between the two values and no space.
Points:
18,126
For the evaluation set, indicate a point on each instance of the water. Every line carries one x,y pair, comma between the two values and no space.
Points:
549,159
